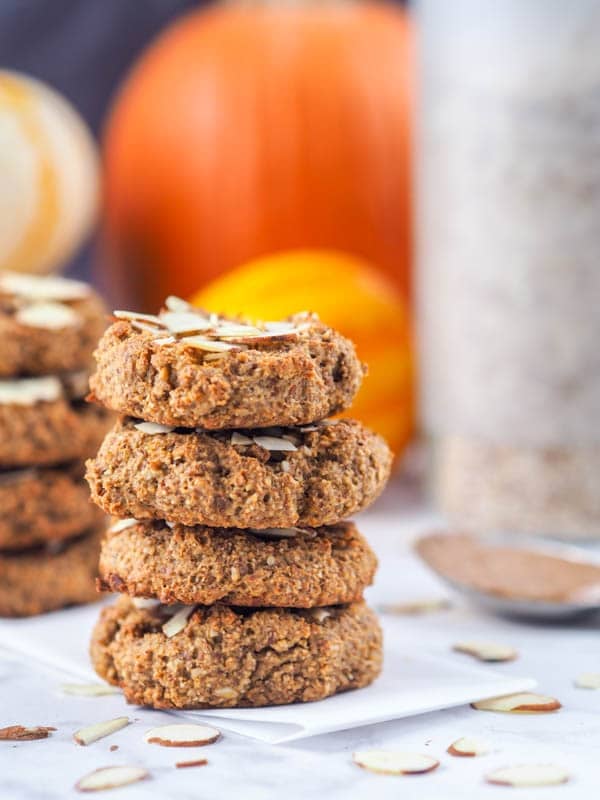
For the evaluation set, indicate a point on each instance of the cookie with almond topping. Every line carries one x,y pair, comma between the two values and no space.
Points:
188,368
221,657
44,505
48,324
279,477
298,568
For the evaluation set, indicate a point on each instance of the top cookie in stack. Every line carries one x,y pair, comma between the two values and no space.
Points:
232,486
49,327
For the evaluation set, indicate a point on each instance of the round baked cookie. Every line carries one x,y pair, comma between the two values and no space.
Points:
44,505
48,324
49,578
289,373
225,657
229,479
40,423
288,568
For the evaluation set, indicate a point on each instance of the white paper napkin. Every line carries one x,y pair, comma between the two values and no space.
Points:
412,682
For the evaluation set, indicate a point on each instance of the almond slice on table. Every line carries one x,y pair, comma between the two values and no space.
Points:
110,778
394,762
528,775
21,733
153,428
99,730
182,735
49,315
200,762
89,689
588,680
487,651
177,622
468,747
519,703
414,607
274,443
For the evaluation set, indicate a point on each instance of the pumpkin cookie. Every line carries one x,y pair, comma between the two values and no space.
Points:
49,578
288,568
47,324
185,367
315,475
44,505
223,657
43,421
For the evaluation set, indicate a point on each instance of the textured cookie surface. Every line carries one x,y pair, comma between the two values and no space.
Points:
47,324
227,657
291,378
209,565
44,505
40,580
203,478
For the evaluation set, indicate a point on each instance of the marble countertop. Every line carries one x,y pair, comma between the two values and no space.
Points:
321,766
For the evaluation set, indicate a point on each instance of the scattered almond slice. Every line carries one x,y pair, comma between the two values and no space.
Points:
210,345
135,315
110,778
517,703
122,524
528,775
49,315
240,438
145,602
29,391
275,443
42,287
173,303
20,733
183,735
414,607
153,427
487,651
89,689
185,321
177,622
391,762
199,762
467,747
139,325
99,730
588,680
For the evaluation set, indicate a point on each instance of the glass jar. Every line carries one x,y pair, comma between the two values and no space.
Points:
508,272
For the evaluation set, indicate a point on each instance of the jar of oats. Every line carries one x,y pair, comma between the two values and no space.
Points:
508,233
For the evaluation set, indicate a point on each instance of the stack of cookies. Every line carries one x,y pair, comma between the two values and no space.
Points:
49,530
242,585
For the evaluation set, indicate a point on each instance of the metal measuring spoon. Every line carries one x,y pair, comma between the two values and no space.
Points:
525,578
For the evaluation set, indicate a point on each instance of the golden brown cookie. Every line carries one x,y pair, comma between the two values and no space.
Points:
187,368
232,479
44,505
49,578
225,658
47,324
288,568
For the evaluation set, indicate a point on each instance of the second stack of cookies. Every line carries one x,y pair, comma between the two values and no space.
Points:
242,582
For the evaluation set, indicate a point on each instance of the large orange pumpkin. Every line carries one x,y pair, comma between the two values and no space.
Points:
251,128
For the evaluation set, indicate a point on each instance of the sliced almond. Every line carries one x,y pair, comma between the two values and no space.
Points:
185,321
528,775
240,438
468,747
275,443
48,315
487,651
122,524
177,622
588,680
521,702
29,391
140,325
20,733
183,735
89,689
282,533
199,762
165,340
135,315
42,287
320,614
173,303
210,345
110,778
394,762
153,427
415,607
99,730
145,602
